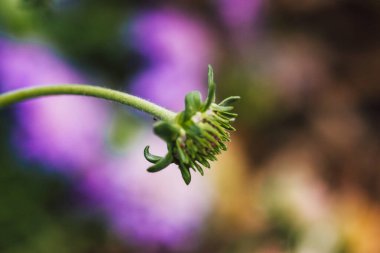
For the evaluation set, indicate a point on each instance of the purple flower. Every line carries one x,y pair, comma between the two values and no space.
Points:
64,132
27,64
151,210
239,14
172,38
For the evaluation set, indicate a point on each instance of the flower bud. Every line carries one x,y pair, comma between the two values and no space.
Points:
197,134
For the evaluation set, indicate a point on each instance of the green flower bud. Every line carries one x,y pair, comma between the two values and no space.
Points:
197,134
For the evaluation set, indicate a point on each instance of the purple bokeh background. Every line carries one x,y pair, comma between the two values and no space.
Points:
158,209
239,14
64,132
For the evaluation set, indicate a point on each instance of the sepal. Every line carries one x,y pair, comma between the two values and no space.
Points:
166,130
161,164
211,89
193,103
149,157
230,100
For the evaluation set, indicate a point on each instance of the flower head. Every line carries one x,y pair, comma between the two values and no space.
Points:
197,134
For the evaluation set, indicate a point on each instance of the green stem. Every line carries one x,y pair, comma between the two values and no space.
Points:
86,90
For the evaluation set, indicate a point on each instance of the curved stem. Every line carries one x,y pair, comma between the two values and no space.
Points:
20,95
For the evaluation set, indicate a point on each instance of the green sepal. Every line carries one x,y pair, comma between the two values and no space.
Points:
193,103
167,131
211,129
161,164
211,157
211,89
220,118
199,168
181,153
180,118
209,137
149,157
226,126
185,174
220,108
222,146
229,115
230,100
204,162
220,128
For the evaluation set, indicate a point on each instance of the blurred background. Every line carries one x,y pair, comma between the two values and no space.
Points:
301,174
